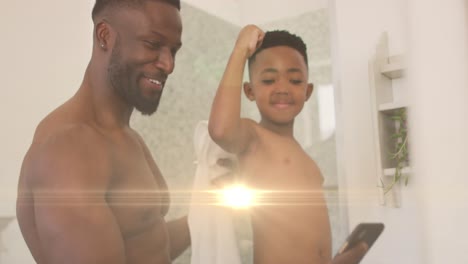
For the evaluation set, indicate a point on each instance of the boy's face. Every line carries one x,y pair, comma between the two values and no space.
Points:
278,84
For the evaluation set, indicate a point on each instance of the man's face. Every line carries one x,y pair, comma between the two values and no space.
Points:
279,84
144,53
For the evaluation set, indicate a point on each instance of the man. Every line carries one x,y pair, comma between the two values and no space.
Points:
89,190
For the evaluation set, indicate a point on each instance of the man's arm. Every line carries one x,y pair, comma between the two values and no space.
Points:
226,127
179,236
68,177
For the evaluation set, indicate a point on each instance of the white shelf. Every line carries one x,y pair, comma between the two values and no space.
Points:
391,106
391,171
394,68
383,70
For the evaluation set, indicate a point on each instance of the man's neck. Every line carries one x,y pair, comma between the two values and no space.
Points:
109,110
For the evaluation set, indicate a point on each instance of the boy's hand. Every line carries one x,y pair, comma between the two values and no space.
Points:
352,256
249,40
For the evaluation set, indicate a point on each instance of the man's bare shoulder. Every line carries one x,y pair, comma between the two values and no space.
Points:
65,152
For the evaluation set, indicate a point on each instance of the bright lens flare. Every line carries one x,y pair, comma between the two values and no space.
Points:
237,197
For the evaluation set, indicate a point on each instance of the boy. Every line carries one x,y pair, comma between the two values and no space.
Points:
286,229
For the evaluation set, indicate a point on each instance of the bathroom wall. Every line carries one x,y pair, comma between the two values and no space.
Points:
44,50
357,28
439,82
259,12
429,225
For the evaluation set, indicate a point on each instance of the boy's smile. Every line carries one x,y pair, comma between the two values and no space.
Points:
279,85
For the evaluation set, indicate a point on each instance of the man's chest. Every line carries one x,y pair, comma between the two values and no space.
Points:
137,195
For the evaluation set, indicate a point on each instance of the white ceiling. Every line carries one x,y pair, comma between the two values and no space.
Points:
243,12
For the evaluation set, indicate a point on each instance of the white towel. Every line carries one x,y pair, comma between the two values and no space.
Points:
212,229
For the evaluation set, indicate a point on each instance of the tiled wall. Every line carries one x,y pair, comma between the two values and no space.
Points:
207,43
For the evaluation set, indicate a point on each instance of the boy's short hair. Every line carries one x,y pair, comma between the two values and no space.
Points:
281,38
101,5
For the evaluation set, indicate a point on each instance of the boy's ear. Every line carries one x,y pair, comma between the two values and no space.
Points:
310,89
248,90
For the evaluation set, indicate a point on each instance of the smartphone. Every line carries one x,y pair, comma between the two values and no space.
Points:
363,232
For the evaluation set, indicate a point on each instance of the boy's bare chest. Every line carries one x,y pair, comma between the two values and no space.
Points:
280,166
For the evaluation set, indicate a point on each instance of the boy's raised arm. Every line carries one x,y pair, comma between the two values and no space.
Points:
225,126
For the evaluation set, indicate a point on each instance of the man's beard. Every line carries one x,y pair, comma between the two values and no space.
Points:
126,85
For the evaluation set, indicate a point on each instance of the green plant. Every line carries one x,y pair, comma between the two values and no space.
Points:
400,156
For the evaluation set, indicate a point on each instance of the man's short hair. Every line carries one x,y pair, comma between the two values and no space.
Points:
281,38
101,5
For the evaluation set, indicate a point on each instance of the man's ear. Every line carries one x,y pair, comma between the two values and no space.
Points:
310,89
248,90
103,34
